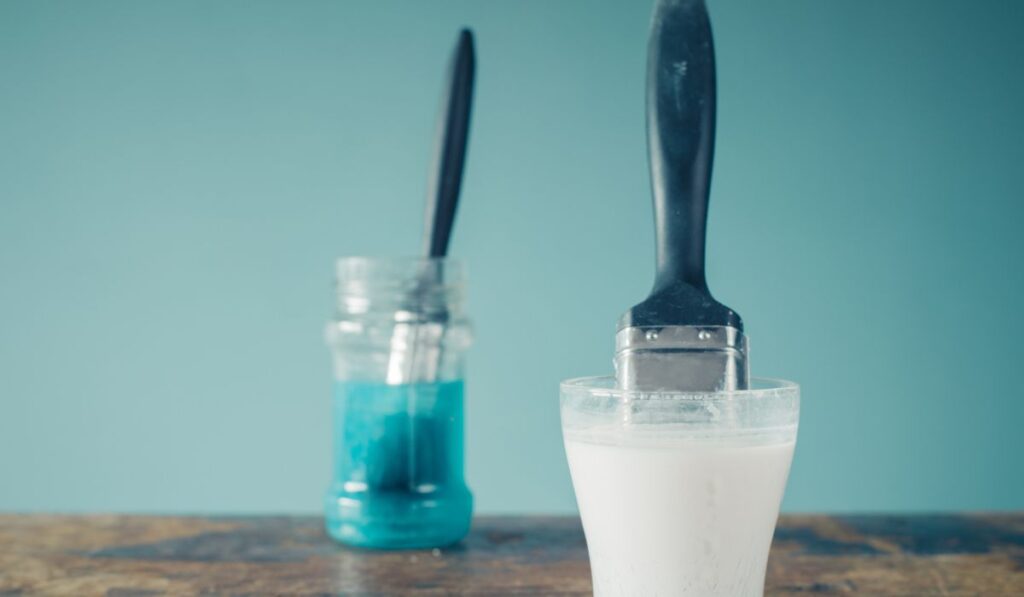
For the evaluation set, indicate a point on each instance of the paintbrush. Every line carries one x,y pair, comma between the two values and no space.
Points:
680,338
417,339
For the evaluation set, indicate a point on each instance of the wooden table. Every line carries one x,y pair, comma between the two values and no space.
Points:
154,555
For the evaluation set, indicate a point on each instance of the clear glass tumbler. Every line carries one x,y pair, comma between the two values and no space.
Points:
679,493
398,343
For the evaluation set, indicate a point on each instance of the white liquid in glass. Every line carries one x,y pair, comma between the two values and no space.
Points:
679,516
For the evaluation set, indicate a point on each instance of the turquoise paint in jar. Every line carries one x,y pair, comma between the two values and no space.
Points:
398,341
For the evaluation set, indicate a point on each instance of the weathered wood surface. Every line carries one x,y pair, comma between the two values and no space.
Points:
152,555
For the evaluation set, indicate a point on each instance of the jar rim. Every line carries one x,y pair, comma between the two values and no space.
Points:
364,263
414,288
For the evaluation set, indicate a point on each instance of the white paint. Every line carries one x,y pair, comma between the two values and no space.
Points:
671,515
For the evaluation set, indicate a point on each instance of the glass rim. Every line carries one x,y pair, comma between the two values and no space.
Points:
603,386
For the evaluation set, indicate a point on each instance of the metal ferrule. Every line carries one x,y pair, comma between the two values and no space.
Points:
681,358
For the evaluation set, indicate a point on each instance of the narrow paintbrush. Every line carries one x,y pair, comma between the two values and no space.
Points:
416,342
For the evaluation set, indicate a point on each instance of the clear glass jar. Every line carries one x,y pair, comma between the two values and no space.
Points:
398,341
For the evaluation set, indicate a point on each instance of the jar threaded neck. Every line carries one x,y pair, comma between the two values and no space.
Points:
407,287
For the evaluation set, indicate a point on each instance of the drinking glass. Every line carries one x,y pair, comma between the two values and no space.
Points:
679,492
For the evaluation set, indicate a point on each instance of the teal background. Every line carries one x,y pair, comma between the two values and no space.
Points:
176,178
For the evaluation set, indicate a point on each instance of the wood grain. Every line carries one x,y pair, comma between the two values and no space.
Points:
154,555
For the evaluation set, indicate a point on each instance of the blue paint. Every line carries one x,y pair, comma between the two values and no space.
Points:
398,466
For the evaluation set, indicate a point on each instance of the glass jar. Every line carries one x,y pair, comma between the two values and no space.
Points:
398,341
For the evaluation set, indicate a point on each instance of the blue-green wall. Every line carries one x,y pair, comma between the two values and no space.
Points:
176,178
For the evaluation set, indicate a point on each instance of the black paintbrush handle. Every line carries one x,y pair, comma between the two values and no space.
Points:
681,137
450,147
